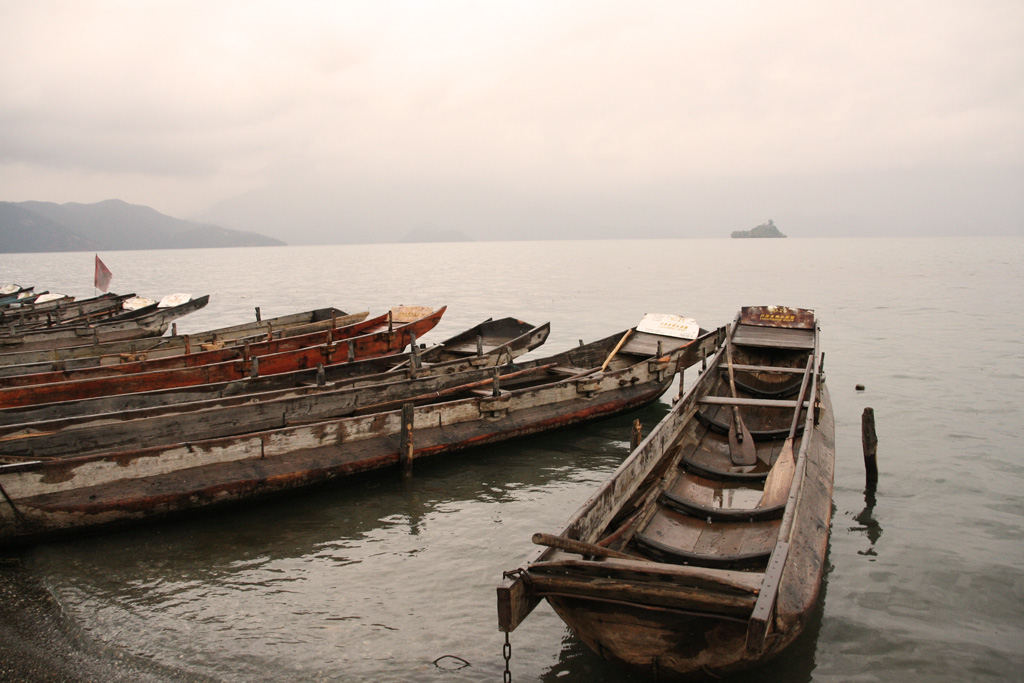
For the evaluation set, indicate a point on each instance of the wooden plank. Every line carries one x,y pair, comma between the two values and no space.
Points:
747,335
768,368
751,402
515,602
764,608
661,595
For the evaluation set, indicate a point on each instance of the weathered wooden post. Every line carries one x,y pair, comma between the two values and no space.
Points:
321,376
479,345
259,318
405,448
870,442
174,329
495,388
636,436
415,350
680,369
254,369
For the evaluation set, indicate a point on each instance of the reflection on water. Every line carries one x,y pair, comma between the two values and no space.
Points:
868,524
328,580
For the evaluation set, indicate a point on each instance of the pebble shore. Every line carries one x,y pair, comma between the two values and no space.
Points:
39,643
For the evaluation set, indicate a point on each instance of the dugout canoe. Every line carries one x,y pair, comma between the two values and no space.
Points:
151,323
63,495
500,342
112,353
378,337
685,564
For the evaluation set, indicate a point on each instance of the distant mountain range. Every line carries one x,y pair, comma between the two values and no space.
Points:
109,226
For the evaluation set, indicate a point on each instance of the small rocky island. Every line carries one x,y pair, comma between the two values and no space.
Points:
764,230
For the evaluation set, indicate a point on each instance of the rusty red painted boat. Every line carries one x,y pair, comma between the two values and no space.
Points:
59,495
125,421
382,336
690,563
489,343
195,356
113,353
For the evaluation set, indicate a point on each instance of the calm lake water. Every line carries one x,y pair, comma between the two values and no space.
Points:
375,579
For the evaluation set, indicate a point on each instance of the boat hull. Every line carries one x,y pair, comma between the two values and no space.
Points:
57,497
695,561
688,644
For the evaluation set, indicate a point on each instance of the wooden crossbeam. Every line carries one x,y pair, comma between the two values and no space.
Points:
769,368
752,402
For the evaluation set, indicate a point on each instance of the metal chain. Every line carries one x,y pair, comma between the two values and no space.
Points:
507,652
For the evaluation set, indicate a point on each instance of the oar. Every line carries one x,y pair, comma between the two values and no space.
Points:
616,349
571,545
780,478
741,444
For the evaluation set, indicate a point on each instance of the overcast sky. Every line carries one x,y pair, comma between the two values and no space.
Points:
338,121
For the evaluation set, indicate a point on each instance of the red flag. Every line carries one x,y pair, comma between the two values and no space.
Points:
102,278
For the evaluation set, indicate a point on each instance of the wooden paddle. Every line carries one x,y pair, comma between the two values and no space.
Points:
616,349
741,443
571,545
780,478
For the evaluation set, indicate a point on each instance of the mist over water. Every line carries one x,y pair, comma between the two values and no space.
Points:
376,578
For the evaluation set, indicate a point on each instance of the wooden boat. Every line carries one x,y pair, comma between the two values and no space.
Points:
10,294
63,494
63,311
376,337
150,323
245,412
688,562
494,342
250,348
112,353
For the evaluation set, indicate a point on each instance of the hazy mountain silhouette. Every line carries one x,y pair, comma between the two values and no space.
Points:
23,231
109,225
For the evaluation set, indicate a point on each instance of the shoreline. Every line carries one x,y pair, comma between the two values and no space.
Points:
39,643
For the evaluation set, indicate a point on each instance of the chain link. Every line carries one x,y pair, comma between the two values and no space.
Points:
507,653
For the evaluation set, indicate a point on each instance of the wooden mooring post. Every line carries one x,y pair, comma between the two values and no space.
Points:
636,436
870,442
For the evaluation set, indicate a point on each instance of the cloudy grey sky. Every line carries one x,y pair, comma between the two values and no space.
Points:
357,121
